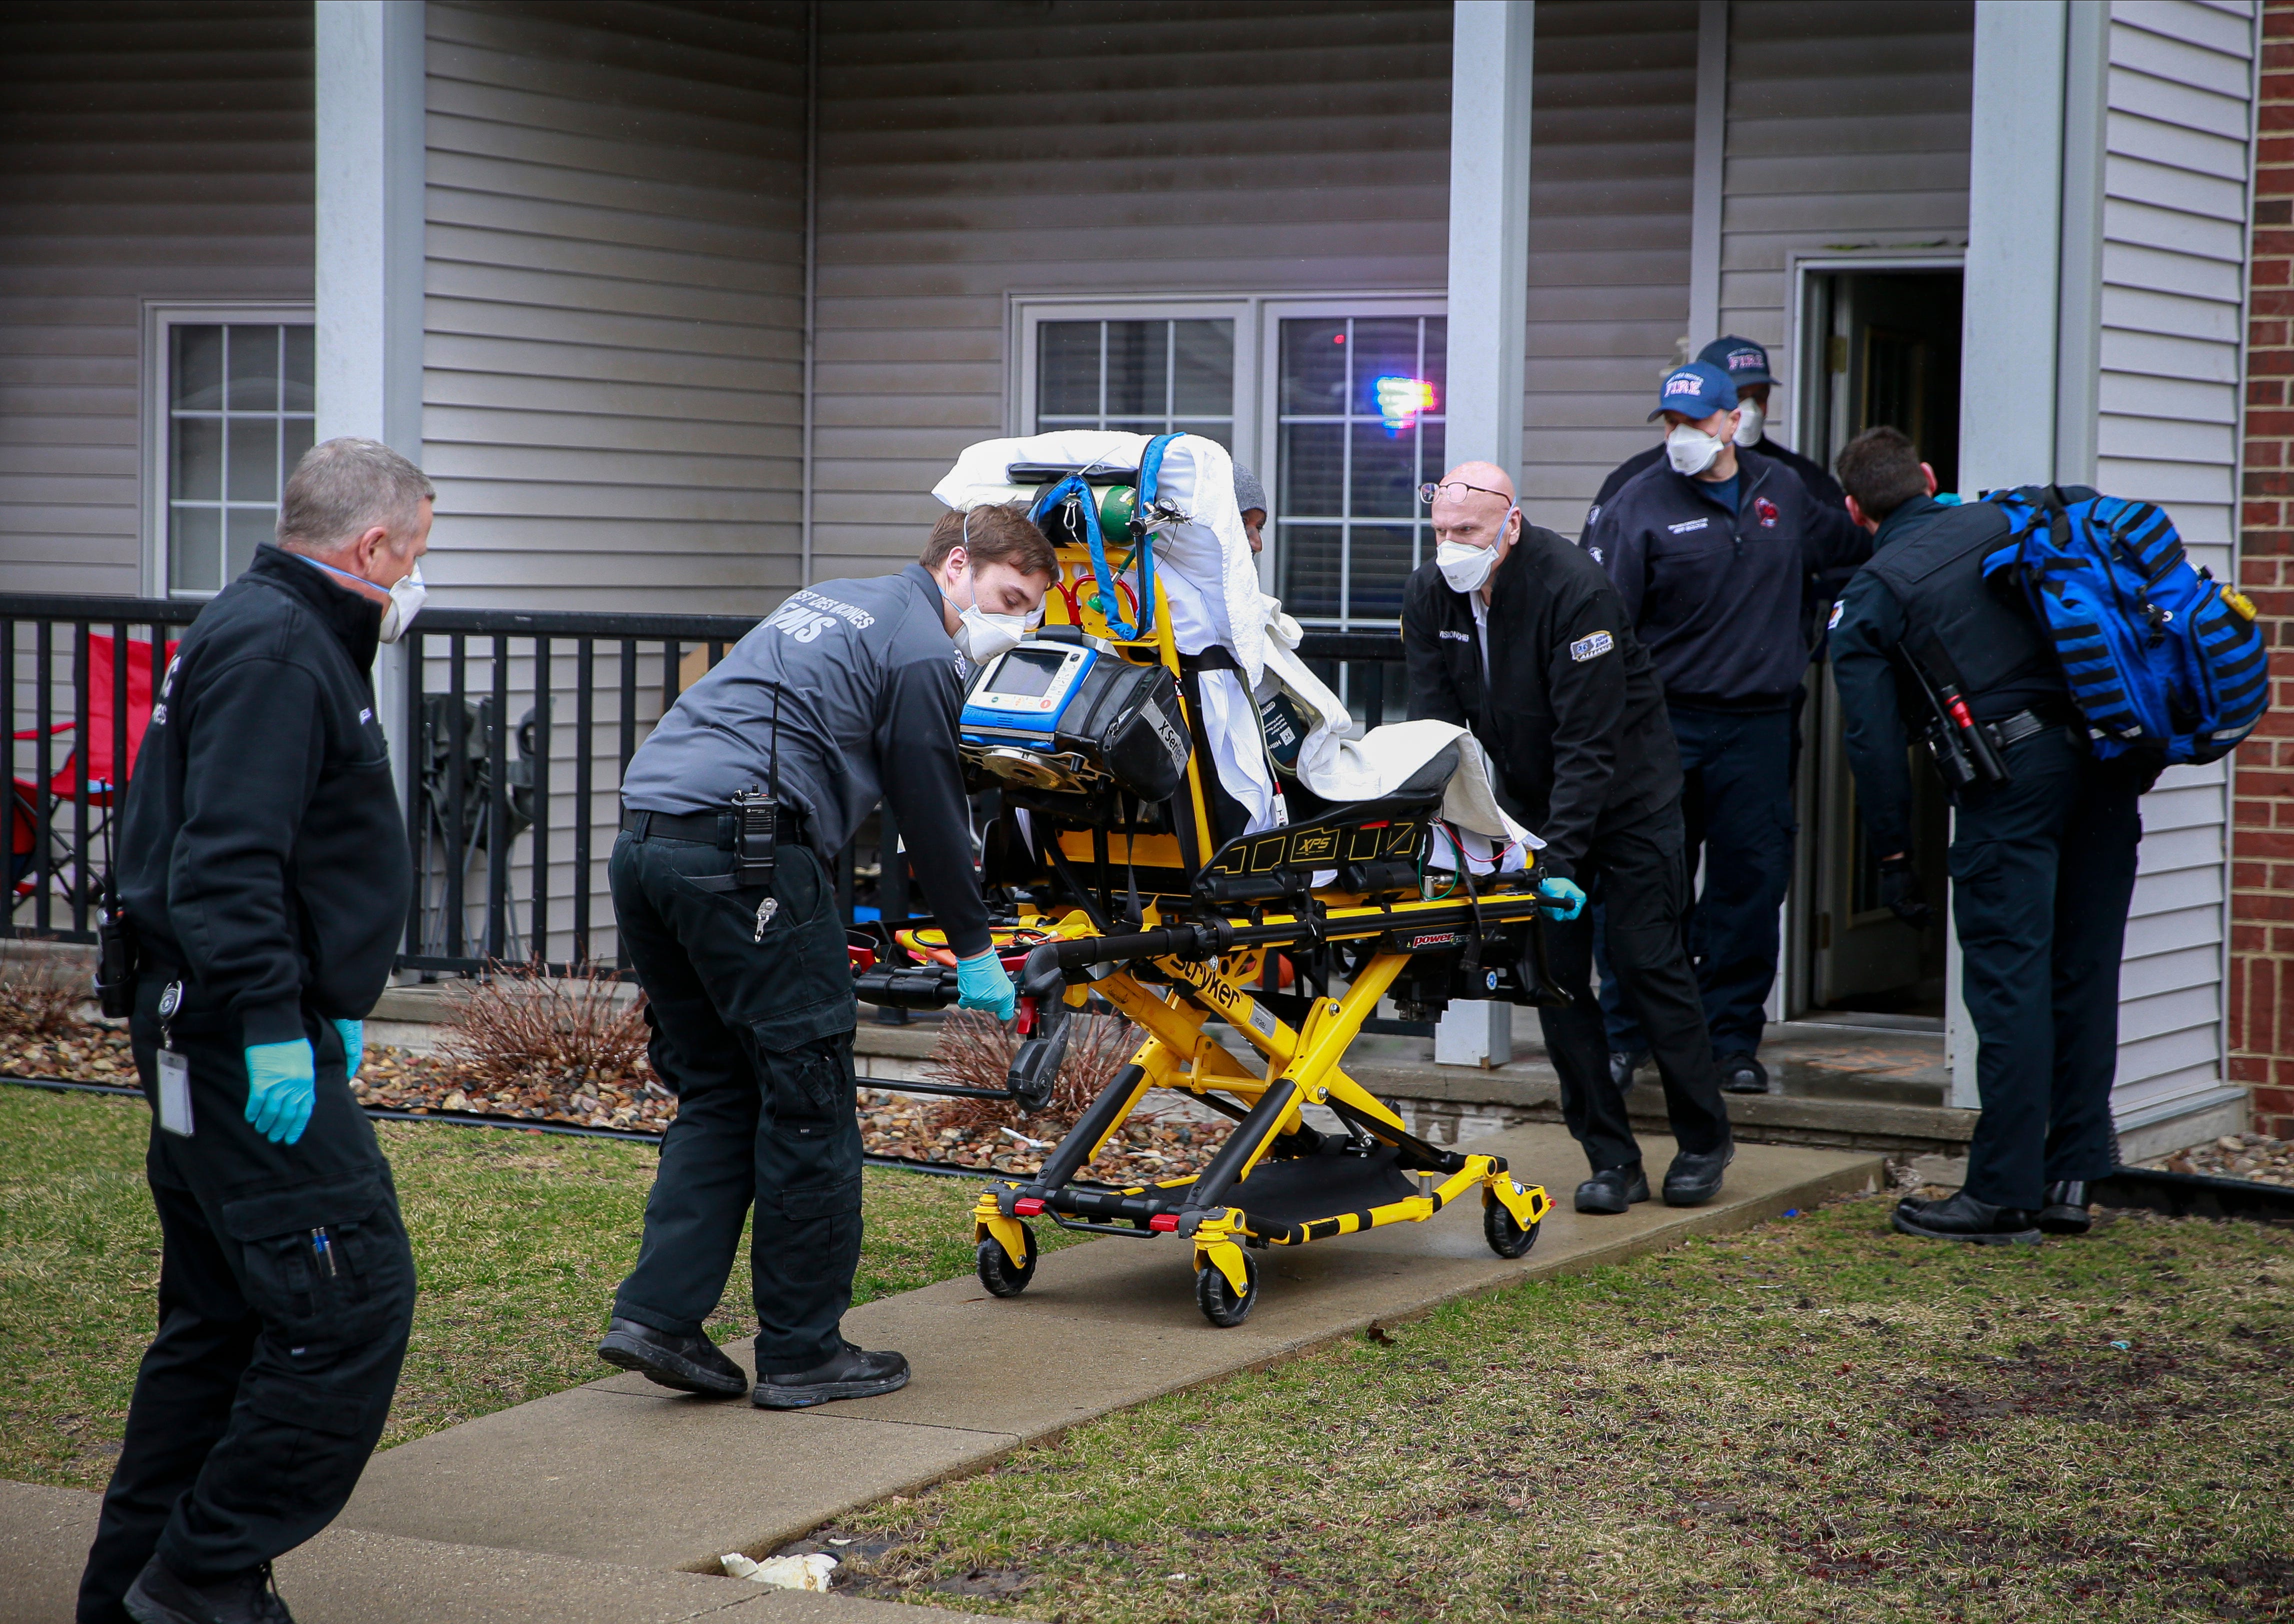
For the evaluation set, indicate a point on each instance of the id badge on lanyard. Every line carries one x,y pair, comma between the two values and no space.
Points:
174,1069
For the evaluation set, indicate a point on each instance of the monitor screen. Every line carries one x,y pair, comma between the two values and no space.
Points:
1027,673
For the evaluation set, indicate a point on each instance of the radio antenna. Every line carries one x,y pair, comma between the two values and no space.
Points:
773,752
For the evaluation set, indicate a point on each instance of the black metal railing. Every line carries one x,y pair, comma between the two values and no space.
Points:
512,732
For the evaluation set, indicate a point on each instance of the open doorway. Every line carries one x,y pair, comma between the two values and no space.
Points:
1883,347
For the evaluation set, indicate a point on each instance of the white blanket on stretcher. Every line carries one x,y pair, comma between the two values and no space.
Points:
1209,578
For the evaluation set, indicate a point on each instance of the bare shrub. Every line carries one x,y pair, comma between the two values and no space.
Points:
976,1049
40,993
518,1027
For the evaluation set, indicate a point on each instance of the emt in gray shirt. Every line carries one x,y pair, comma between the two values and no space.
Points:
848,692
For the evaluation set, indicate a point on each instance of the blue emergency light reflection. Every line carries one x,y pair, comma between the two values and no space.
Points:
1401,400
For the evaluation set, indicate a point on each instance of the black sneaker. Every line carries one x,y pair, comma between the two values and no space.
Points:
1742,1074
851,1373
160,1596
1960,1216
1623,1063
2064,1211
1613,1189
690,1364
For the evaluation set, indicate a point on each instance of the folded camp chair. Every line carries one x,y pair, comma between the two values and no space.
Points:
118,704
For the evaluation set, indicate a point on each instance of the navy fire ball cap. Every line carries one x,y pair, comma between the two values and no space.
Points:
1695,391
1744,362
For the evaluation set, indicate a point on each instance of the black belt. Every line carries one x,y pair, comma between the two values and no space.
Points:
2022,726
708,828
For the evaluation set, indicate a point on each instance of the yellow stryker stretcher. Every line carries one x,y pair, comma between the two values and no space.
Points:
1128,898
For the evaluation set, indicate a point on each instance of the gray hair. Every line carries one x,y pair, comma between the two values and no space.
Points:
345,487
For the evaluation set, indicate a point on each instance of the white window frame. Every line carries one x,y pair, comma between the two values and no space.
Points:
160,318
1258,318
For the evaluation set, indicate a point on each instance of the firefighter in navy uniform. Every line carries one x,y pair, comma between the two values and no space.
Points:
263,869
1513,632
728,911
1713,552
2042,852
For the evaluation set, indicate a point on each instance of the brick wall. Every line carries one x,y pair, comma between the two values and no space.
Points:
2262,840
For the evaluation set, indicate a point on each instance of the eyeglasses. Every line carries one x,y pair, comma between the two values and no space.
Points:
1456,491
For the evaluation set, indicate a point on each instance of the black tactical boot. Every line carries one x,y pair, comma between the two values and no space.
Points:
160,1595
1960,1216
690,1364
2064,1211
1613,1189
849,1372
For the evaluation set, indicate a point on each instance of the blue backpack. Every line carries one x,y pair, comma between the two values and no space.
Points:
2159,655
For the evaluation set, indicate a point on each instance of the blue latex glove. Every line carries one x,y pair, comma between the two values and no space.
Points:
982,984
1563,898
281,1079
353,1033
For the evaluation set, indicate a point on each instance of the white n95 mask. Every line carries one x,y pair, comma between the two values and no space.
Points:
1690,450
1751,421
982,636
406,599
1464,567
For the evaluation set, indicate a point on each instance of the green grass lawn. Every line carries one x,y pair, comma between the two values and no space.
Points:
520,1240
1813,1420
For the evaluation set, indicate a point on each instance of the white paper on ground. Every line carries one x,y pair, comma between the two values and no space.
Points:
174,1093
809,1573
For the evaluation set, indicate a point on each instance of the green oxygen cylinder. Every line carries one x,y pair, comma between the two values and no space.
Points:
1116,509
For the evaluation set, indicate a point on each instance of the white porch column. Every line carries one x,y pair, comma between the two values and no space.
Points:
1489,297
369,276
1710,174
2008,331
1489,230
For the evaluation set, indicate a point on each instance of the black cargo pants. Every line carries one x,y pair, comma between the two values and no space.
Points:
1639,875
285,1291
752,1011
2042,874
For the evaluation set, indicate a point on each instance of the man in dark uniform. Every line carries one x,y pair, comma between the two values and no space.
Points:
2042,863
848,690
1515,633
1746,363
1712,552
264,868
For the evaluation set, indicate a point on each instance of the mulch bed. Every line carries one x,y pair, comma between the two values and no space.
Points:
891,1124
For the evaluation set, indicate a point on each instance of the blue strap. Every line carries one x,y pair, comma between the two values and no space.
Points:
1150,465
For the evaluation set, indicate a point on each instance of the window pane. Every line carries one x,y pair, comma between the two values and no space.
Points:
197,463
1067,369
1314,470
1382,559
254,359
1384,347
1314,367
1382,485
1430,465
1204,378
1137,369
199,368
295,394
254,472
194,549
1437,358
1223,432
1310,568
249,529
1135,426
298,437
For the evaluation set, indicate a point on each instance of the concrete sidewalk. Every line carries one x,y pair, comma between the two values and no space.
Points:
612,1502
1104,1325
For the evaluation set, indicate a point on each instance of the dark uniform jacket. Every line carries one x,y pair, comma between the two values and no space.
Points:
847,692
1721,599
1926,579
1838,536
264,850
1569,708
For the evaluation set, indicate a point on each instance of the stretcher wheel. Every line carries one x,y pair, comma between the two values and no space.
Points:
1503,1231
996,1271
1215,1294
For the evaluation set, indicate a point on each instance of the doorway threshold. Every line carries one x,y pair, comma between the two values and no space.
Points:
1869,1020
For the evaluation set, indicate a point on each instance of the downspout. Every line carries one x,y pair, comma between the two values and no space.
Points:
811,262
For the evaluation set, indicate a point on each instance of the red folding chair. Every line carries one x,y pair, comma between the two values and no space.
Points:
106,777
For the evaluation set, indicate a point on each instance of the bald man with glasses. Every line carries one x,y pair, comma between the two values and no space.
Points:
1513,631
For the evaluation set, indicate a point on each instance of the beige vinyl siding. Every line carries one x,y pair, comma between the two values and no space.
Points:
612,355
973,151
1613,151
149,150
1847,131
2175,213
